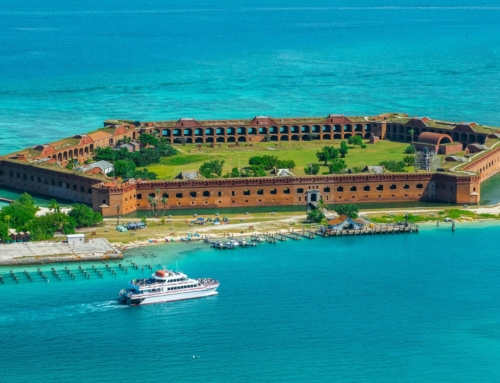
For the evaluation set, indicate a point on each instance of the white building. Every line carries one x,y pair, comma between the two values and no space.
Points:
75,238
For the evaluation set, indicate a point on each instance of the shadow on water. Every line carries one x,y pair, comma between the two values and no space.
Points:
40,200
290,208
490,191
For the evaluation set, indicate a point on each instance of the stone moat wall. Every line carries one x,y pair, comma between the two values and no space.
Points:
290,191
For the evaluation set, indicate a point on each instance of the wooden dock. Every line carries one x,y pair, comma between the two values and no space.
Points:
379,229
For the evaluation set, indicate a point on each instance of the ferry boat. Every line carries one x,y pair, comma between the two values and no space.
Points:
166,286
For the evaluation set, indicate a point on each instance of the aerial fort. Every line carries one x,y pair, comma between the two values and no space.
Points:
451,162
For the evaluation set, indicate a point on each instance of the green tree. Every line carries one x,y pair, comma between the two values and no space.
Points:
312,170
124,169
344,149
337,166
409,160
315,215
267,162
166,150
54,206
145,174
4,232
357,169
411,132
164,200
84,216
394,166
235,173
328,153
286,164
349,209
212,169
257,171
410,149
71,164
148,139
355,140
6,218
20,211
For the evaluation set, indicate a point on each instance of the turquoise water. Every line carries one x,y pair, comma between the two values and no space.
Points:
39,200
67,66
412,308
415,308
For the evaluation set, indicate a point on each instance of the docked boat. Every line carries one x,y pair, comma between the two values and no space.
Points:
166,286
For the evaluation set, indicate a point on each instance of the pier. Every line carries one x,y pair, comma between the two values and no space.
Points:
26,253
311,233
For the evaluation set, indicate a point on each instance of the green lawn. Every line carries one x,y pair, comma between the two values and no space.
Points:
190,157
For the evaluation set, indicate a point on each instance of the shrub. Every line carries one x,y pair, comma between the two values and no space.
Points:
337,166
410,149
312,170
409,160
315,215
212,169
394,166
349,209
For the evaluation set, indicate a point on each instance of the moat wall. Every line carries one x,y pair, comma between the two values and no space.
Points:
425,187
247,192
48,182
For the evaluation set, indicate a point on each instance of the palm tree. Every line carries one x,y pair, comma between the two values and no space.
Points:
117,208
164,202
61,220
150,201
411,131
53,205
7,219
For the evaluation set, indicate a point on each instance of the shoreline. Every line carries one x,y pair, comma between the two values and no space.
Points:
281,223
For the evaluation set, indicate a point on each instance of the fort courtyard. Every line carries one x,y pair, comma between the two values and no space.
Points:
463,155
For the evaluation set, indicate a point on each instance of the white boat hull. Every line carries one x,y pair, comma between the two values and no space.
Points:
162,297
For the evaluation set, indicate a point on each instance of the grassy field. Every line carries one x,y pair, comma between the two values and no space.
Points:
181,226
190,157
455,214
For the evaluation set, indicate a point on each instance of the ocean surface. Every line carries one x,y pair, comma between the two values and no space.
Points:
387,308
68,65
402,308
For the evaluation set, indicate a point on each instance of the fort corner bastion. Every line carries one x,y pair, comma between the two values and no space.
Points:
41,169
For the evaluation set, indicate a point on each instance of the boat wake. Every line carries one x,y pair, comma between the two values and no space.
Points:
62,311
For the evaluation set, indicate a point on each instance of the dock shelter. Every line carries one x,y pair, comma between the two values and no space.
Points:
344,222
73,238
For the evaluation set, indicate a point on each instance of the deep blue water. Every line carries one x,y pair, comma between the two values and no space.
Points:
67,66
399,308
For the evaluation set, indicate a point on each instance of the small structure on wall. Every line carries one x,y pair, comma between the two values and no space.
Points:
476,148
427,160
439,143
103,167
